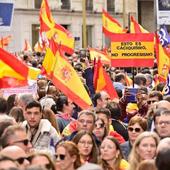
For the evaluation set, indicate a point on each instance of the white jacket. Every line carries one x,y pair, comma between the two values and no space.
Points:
45,136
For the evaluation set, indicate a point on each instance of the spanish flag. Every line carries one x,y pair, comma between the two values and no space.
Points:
65,78
102,81
62,37
135,27
38,47
46,18
48,62
96,54
163,62
13,72
52,29
110,25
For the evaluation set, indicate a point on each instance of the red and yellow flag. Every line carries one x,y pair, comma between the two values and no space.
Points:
52,29
14,72
38,47
49,62
163,62
110,25
102,81
96,54
46,18
135,27
67,80
4,41
62,37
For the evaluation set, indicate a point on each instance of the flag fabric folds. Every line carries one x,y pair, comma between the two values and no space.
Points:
52,29
96,54
135,27
110,25
163,61
48,62
102,81
164,37
65,78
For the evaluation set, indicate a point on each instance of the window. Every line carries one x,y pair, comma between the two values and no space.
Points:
35,33
65,4
37,4
110,5
89,37
89,5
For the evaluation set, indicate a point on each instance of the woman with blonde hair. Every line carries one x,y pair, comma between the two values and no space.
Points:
41,158
67,156
144,148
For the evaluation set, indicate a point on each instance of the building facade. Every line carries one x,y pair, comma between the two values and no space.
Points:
68,13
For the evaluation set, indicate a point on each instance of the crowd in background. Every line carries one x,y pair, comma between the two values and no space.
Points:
49,131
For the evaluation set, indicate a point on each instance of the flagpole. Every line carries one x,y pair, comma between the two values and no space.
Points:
84,23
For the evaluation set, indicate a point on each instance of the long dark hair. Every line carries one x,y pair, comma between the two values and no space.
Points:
93,157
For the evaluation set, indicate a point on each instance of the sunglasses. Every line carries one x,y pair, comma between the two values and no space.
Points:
21,160
99,125
151,101
25,142
131,129
60,156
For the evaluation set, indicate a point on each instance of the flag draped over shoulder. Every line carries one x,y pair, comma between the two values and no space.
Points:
52,29
135,27
13,72
110,25
66,79
102,81
163,62
96,54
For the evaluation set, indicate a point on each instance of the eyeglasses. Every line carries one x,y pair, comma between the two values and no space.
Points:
60,156
85,142
25,142
151,101
21,160
164,122
131,129
99,125
85,121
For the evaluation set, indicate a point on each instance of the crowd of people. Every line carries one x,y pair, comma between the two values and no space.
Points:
48,131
